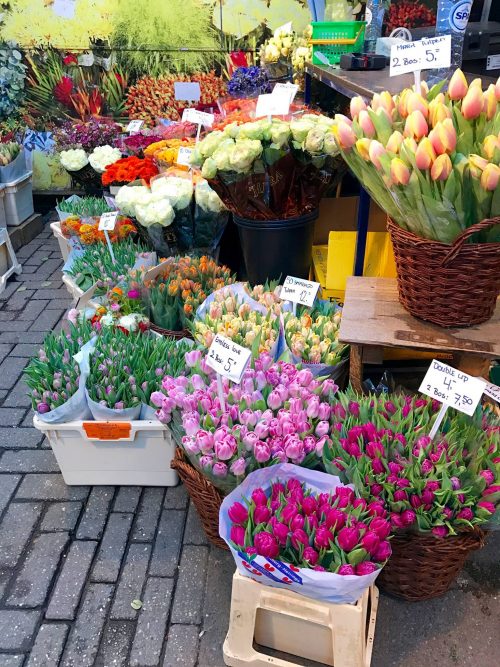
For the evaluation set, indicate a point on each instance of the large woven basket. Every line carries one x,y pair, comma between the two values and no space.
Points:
423,566
206,498
183,333
452,286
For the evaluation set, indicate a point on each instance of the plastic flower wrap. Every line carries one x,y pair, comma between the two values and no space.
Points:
211,216
103,156
430,160
445,485
277,414
74,159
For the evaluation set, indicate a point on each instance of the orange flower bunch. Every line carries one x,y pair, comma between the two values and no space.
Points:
166,151
129,169
88,233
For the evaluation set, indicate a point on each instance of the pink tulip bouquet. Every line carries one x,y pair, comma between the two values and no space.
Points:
444,486
277,414
429,159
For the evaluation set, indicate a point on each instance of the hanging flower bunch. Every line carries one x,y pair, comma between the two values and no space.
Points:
129,169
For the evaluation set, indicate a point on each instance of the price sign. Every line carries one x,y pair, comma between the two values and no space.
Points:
107,221
286,89
135,126
272,105
197,117
492,391
227,358
187,91
107,431
452,387
184,156
430,53
299,291
285,28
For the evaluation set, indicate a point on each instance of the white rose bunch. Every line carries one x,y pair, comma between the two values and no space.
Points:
103,156
128,197
155,212
74,159
179,191
207,199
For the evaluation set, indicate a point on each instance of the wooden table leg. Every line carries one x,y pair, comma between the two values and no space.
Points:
356,368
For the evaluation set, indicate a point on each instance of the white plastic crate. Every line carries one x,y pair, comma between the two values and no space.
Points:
64,246
136,453
81,298
19,200
3,221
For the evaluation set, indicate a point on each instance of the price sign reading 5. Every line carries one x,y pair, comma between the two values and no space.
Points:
452,387
227,358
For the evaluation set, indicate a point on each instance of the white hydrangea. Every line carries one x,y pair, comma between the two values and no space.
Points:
74,159
102,156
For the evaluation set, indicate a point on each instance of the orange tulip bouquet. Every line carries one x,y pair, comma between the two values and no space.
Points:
429,159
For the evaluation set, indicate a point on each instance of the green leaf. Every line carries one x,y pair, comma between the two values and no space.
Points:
357,556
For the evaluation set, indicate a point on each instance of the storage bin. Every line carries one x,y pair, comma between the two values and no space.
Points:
3,221
340,635
334,38
85,298
136,453
64,246
19,200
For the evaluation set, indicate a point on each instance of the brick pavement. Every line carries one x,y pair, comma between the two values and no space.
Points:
72,559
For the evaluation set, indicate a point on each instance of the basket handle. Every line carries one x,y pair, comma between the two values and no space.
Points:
460,240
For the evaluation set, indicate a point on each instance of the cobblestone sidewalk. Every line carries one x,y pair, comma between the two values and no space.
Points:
72,559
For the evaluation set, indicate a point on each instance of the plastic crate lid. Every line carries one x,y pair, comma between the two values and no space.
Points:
18,181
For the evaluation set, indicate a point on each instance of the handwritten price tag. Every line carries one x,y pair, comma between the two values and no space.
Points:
272,105
107,221
187,91
184,156
492,391
227,358
286,89
452,387
197,117
301,291
135,126
429,53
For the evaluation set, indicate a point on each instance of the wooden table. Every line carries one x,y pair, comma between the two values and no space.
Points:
373,317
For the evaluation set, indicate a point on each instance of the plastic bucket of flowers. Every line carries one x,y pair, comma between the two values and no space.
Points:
439,494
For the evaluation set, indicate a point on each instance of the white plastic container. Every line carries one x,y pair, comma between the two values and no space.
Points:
136,453
19,200
3,221
63,242
81,298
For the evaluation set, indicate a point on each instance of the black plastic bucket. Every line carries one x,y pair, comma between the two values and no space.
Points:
274,249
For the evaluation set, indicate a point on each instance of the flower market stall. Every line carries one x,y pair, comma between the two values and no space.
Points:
198,201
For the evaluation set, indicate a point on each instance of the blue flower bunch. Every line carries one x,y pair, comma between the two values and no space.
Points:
248,81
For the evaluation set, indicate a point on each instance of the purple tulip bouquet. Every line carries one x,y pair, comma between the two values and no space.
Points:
443,486
277,414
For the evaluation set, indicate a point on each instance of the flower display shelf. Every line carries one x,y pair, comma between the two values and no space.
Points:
205,497
136,453
340,635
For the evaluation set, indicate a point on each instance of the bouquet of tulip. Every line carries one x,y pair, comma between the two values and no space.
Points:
53,376
129,169
445,485
312,336
268,295
235,318
278,414
83,207
123,308
181,286
431,160
96,267
165,151
270,169
87,230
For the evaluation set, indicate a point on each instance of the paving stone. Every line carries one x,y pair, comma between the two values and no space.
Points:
9,290
19,300
11,416
33,310
61,517
12,326
10,660
83,641
147,519
5,350
10,370
17,629
22,337
51,293
152,623
60,302
18,395
48,267
115,644
25,350
8,485
49,487
47,320
29,460
189,592
31,585
182,646
167,544
49,645
131,581
127,499
68,589
37,258
96,513
109,558
194,533
15,530
216,607
20,438
176,498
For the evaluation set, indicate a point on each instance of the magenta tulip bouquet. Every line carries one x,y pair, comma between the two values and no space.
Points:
429,159
444,486
277,414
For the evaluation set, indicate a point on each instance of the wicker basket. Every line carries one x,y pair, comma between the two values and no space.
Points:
452,286
206,498
423,566
184,333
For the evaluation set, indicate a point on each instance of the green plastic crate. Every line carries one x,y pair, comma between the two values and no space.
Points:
339,37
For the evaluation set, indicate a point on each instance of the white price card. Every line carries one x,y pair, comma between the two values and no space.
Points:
272,105
286,89
493,391
64,8
135,126
429,53
298,290
187,91
227,358
198,117
286,28
452,387
107,221
184,156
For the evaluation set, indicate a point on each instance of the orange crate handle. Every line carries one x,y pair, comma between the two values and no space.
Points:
337,41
